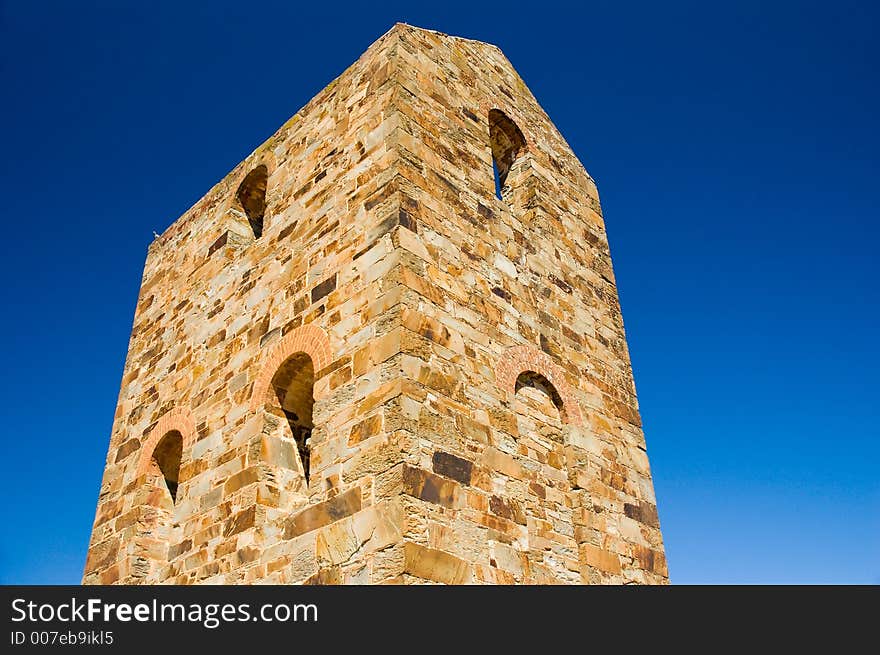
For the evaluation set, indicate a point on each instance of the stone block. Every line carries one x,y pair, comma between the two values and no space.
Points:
321,514
436,565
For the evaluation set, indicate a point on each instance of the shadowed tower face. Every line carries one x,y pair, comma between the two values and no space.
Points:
387,347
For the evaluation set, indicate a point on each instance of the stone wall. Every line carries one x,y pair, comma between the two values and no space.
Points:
474,415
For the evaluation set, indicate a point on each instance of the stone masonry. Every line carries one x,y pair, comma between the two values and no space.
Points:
354,362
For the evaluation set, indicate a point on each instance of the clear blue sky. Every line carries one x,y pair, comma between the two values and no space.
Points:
736,153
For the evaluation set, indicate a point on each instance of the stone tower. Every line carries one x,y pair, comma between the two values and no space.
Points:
361,359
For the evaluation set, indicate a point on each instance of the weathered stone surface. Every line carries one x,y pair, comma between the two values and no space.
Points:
376,369
365,429
337,543
452,467
649,560
601,559
279,452
427,486
508,509
644,512
435,565
102,554
127,449
322,514
328,576
241,479
239,522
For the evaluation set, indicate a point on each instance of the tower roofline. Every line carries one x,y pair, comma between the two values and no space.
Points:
221,187
403,25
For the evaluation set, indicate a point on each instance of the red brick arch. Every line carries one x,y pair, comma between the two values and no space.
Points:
519,359
308,339
179,420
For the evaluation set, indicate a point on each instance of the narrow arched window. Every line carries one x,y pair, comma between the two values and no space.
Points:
508,144
293,385
251,197
166,459
539,407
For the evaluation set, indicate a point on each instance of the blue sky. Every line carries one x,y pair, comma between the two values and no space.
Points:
736,153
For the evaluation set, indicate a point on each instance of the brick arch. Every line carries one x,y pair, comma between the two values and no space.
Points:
179,420
519,359
308,339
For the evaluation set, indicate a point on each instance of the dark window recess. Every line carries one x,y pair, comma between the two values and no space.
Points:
167,456
508,143
497,178
251,195
294,384
542,384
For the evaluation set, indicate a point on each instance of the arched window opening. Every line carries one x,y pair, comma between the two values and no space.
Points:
508,143
251,195
166,456
293,385
540,405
